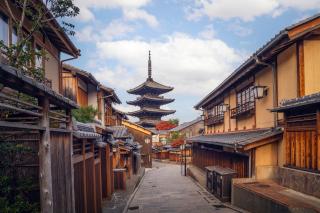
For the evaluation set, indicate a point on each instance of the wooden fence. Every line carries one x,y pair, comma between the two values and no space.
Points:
302,141
209,156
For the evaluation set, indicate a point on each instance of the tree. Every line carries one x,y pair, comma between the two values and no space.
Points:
85,114
174,121
165,125
39,13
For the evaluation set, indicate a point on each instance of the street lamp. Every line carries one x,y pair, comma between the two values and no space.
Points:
259,91
183,147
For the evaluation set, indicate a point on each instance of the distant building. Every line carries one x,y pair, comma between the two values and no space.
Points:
190,129
150,101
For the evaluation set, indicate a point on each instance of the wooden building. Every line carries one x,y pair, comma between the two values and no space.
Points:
189,129
241,132
44,127
51,41
142,136
150,100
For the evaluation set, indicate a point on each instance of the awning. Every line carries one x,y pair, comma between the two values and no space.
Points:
86,135
298,103
241,139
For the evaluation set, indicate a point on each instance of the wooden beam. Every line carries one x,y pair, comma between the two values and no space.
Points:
69,165
300,68
262,142
84,175
318,139
46,195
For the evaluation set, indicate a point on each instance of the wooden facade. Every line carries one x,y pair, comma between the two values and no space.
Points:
203,156
235,106
50,123
144,137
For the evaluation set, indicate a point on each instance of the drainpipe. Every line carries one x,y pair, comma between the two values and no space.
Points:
274,87
61,68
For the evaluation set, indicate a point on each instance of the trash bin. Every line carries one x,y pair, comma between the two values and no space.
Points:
209,178
221,183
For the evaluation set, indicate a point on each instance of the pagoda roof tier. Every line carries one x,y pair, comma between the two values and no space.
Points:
150,86
146,111
148,123
150,99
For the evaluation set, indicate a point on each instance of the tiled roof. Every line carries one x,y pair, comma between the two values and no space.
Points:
149,110
85,131
85,74
120,132
16,76
147,98
115,97
240,71
185,125
150,84
238,139
304,101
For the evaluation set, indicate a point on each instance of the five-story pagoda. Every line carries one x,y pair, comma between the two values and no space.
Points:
150,100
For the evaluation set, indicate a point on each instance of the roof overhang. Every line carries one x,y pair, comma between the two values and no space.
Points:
240,140
286,36
137,127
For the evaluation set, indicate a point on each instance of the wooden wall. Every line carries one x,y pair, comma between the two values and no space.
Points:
88,176
61,170
209,156
146,150
302,141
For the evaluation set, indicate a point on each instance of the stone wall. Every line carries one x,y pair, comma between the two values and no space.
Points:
302,181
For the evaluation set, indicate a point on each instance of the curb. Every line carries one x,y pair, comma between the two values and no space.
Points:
125,210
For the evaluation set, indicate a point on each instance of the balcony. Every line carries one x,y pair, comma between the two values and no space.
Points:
214,119
245,109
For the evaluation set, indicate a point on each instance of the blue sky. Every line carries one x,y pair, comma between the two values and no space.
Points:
195,44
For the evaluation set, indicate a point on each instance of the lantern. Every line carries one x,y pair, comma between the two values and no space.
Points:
224,107
259,91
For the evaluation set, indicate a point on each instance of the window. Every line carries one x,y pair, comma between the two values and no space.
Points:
38,59
245,96
245,103
4,29
14,35
216,110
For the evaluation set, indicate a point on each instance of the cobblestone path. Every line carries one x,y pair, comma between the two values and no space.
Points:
164,190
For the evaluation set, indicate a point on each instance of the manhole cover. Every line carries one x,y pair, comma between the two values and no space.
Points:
133,207
263,185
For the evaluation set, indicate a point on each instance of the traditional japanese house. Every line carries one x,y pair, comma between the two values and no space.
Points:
108,97
42,127
143,136
241,132
189,129
126,157
87,166
150,100
51,40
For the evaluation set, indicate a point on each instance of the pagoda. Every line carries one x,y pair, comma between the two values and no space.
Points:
150,101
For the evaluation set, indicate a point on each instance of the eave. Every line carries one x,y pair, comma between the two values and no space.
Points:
286,36
151,111
150,86
154,100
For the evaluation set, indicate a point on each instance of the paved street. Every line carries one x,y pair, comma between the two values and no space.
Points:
164,190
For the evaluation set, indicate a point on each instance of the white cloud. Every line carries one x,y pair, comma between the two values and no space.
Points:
131,9
240,30
138,14
246,10
193,66
208,32
114,30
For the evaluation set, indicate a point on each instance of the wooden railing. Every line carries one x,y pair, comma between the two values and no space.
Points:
214,119
243,109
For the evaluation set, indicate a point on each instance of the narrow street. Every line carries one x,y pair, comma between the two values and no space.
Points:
164,189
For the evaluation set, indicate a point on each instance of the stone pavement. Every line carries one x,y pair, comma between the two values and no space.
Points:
164,190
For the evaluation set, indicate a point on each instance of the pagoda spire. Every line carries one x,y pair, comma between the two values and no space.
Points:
149,67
